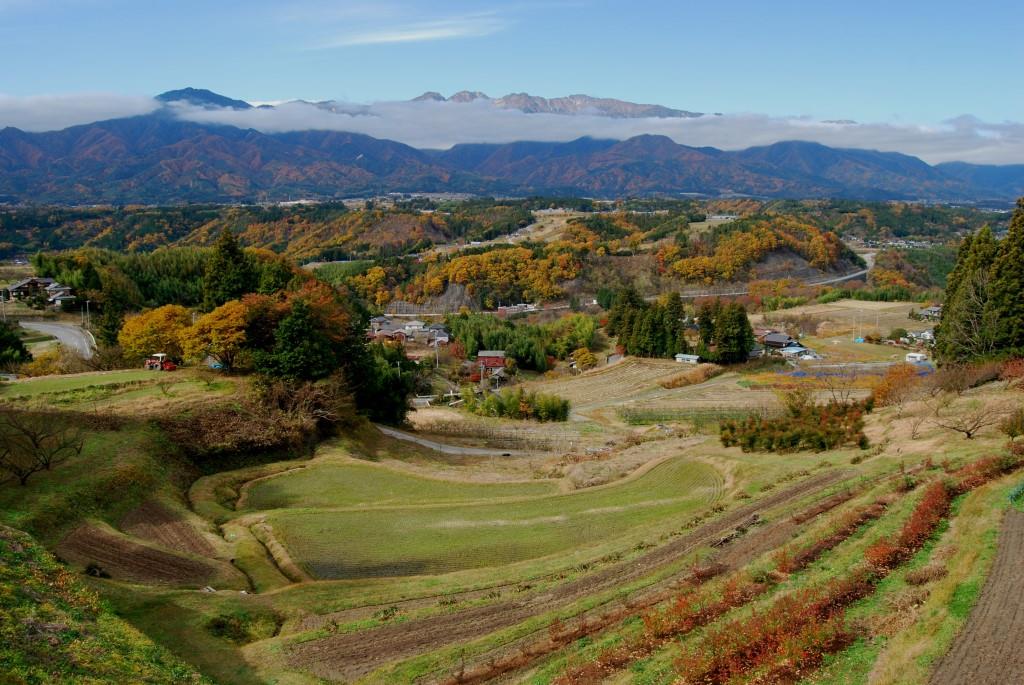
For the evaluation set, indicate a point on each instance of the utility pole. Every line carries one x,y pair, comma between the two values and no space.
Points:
88,315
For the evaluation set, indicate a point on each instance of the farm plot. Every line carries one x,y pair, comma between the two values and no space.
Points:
125,558
613,383
988,651
32,387
721,396
358,484
342,544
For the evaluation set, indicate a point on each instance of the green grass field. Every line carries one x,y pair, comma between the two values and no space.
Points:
338,544
31,387
356,484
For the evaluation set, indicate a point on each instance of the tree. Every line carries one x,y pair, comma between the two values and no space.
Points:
1007,286
219,334
967,327
967,420
386,384
153,331
584,359
12,350
302,351
898,385
229,272
30,443
734,336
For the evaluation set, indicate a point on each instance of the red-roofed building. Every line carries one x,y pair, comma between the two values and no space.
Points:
491,359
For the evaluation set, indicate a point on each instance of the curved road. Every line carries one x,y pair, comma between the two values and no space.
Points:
68,334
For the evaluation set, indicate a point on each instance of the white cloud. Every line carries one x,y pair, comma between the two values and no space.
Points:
52,112
475,25
443,124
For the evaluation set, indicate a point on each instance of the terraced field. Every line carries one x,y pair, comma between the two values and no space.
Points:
347,543
612,383
359,484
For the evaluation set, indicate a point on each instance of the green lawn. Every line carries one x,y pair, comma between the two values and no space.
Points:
355,484
428,540
30,387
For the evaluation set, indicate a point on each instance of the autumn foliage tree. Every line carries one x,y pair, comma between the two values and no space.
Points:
153,331
219,334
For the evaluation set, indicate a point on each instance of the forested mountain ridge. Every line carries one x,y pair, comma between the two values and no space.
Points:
161,158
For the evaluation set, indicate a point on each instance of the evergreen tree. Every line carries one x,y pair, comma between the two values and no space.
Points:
12,349
1006,289
229,273
734,335
706,321
108,325
967,329
302,351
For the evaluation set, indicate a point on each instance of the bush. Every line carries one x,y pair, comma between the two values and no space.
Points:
518,404
805,426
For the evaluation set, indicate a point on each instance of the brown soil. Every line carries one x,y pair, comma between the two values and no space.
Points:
124,559
351,655
988,651
154,522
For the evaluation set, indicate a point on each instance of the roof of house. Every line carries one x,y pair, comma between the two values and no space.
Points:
794,349
490,353
34,279
777,338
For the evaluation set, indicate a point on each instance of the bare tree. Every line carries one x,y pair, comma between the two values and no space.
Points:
30,443
967,420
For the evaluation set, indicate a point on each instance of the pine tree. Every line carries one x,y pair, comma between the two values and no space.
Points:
229,273
733,334
1006,289
967,329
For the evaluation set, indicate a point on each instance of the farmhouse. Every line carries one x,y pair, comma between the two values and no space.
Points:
777,341
687,358
932,313
29,286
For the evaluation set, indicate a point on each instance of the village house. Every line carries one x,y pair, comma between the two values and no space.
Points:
778,341
490,359
932,313
28,287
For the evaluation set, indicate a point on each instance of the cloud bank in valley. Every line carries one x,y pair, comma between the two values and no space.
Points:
432,124
443,124
55,112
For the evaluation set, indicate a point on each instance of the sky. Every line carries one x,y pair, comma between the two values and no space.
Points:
927,68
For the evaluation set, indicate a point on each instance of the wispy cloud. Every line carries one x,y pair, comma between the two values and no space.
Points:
469,26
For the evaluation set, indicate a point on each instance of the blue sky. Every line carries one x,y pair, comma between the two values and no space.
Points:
871,61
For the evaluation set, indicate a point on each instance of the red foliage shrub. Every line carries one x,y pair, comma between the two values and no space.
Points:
790,633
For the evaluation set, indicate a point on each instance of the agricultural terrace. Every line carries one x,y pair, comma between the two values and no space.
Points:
374,560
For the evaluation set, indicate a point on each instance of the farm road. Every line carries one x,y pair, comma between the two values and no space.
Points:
444,448
349,656
69,335
988,651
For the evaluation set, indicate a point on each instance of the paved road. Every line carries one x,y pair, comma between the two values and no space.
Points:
446,449
68,334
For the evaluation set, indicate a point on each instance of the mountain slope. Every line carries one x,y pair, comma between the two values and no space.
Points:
159,158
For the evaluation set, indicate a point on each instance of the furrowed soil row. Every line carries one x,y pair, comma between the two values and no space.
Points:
156,523
988,651
349,656
124,559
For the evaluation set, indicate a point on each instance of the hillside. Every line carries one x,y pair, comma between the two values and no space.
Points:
56,630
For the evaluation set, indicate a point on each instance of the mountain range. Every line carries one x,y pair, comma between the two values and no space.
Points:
161,158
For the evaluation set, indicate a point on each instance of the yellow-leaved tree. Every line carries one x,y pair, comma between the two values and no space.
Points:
219,334
154,331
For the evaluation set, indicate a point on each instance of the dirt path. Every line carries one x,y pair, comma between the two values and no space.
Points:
988,651
445,448
349,656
